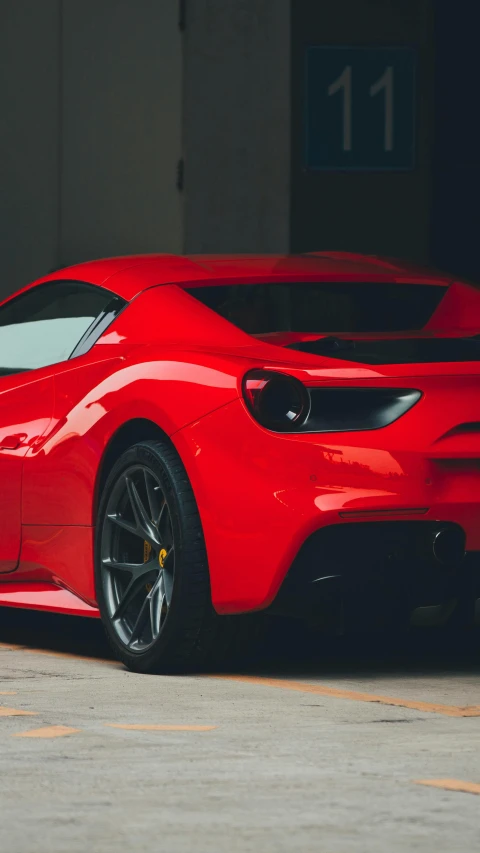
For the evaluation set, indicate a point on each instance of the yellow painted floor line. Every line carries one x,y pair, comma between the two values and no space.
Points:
71,655
451,785
48,731
321,690
10,647
14,712
139,727
8,692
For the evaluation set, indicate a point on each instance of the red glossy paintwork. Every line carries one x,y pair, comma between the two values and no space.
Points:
26,409
44,596
295,484
59,554
169,360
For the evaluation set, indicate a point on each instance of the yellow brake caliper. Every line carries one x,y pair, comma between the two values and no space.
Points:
147,553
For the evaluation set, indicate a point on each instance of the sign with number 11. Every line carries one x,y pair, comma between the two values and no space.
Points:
360,105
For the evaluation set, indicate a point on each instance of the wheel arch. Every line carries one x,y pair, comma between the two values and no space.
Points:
129,433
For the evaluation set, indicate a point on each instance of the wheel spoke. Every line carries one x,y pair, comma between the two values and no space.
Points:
140,621
170,557
145,527
163,519
133,588
154,493
116,565
168,588
168,567
137,570
157,601
115,518
156,614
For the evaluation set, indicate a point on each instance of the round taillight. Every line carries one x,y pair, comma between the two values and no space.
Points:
277,401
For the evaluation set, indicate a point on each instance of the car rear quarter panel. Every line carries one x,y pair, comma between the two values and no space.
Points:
261,494
93,400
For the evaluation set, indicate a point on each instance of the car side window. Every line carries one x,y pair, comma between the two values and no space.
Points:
44,325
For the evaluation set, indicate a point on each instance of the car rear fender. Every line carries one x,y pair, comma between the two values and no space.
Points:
61,471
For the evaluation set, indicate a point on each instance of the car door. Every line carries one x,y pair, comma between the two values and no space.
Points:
39,328
26,408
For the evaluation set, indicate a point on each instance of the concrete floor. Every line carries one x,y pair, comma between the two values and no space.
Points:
297,758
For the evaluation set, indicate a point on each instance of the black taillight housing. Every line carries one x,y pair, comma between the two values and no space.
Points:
276,400
281,403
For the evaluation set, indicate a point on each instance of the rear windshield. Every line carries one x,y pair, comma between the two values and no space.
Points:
323,307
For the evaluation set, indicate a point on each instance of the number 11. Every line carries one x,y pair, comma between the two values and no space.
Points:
385,82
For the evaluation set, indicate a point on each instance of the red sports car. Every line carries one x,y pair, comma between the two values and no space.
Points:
186,439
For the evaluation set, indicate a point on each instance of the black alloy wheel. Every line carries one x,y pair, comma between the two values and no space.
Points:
151,570
137,558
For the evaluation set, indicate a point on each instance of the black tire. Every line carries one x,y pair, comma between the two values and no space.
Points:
191,635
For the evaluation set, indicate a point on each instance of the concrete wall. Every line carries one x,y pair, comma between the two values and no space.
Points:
121,117
29,52
387,213
90,132
237,125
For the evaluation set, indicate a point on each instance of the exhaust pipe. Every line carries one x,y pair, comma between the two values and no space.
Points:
448,546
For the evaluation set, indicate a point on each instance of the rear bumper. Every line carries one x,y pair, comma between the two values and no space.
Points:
373,575
262,496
